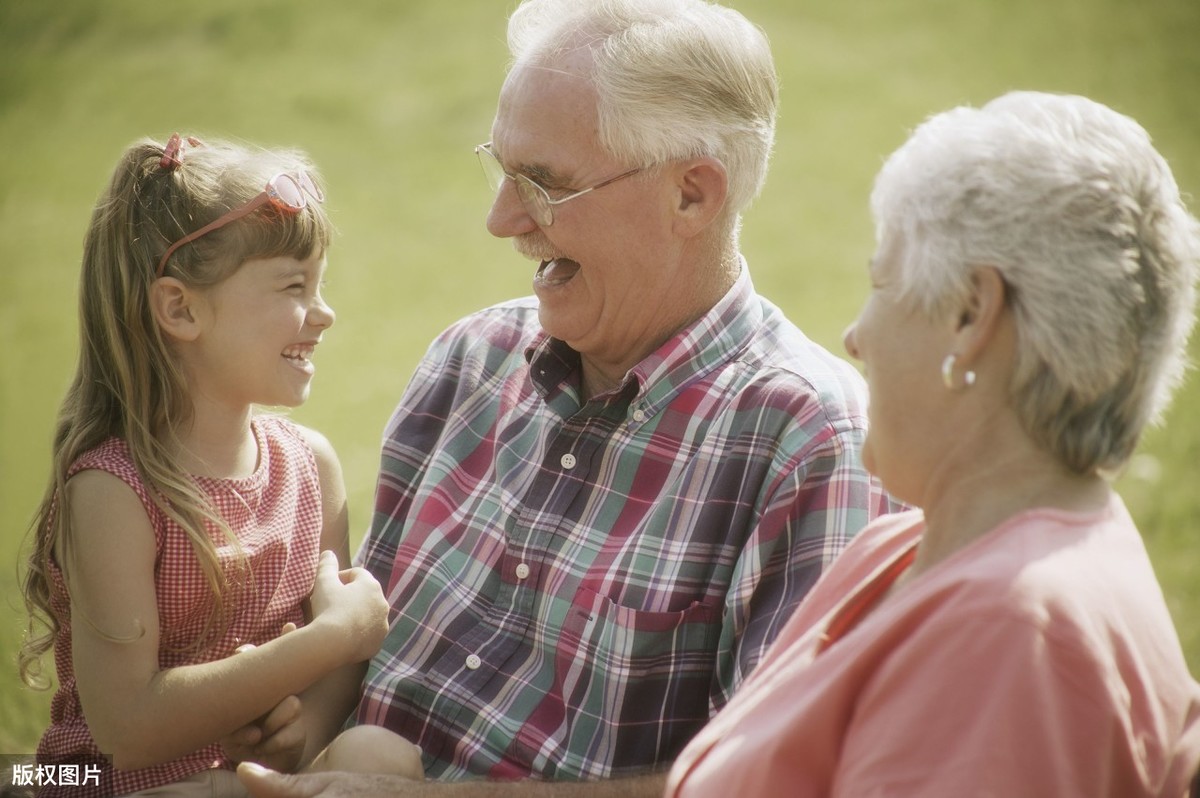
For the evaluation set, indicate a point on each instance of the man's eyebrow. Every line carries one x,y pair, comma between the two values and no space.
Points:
543,174
538,172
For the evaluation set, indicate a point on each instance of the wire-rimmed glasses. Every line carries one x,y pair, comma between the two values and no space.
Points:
536,199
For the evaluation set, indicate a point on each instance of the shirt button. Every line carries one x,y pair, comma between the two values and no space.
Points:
522,571
639,415
473,662
568,461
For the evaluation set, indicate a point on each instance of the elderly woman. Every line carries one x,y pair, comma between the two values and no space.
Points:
1031,298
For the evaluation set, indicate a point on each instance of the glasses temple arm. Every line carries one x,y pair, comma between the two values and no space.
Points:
233,215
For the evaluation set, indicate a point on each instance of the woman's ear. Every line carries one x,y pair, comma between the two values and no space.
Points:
978,321
703,186
174,307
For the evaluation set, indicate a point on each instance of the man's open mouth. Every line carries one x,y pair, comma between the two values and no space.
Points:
555,272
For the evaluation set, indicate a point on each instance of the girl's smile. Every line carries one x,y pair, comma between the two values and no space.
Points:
258,331
300,356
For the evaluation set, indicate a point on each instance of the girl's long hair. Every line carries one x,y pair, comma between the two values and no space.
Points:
127,383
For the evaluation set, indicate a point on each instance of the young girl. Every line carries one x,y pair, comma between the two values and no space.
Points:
180,533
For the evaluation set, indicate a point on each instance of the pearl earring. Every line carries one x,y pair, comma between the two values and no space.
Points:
948,373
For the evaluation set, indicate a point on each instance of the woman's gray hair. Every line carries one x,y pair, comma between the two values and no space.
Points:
1080,214
675,79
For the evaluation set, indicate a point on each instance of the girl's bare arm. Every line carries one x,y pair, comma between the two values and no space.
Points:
143,715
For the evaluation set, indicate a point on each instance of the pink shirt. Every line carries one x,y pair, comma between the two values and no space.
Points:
276,515
1038,661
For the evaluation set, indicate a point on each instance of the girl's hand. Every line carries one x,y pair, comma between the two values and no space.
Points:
352,603
275,740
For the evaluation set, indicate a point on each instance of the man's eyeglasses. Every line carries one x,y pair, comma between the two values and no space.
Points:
288,193
537,201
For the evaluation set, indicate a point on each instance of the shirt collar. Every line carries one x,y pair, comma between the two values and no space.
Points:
691,353
551,362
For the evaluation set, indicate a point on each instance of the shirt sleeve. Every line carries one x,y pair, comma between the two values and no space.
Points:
810,514
409,440
991,704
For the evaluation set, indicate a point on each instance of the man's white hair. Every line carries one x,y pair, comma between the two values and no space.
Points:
675,79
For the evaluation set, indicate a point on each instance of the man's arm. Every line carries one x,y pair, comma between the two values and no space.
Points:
807,517
263,783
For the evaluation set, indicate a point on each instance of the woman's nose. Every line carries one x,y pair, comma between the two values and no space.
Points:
849,342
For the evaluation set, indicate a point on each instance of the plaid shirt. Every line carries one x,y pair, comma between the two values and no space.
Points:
575,589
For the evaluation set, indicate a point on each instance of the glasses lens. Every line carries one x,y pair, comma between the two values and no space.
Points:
535,201
492,169
285,192
310,187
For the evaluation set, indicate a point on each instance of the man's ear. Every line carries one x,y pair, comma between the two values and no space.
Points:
979,319
174,307
703,186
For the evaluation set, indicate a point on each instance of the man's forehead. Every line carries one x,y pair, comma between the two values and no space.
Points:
560,80
544,111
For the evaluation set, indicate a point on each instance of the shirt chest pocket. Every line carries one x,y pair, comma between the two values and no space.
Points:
651,667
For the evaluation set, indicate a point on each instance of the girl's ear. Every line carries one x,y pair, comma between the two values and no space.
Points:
174,307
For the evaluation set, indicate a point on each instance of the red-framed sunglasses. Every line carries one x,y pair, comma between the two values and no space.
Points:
288,193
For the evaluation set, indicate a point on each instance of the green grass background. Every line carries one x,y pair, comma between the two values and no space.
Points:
390,95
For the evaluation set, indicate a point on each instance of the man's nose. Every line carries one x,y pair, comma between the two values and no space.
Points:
508,217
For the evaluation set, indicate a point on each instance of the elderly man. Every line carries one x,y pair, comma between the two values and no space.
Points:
597,507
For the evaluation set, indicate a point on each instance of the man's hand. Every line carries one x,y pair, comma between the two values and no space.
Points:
264,783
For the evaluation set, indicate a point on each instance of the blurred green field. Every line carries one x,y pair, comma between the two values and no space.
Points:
390,95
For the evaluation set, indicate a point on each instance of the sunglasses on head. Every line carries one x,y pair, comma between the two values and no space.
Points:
287,192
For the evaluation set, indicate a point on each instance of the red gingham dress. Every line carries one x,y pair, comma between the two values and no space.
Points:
276,515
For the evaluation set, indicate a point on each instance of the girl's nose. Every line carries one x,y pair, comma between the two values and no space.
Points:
321,314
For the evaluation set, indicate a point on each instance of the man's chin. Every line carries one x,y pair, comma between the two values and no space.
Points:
559,319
